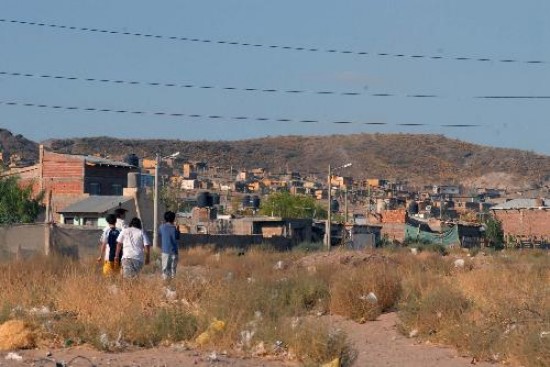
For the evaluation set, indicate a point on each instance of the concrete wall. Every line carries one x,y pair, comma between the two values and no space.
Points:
27,240
233,241
22,240
83,243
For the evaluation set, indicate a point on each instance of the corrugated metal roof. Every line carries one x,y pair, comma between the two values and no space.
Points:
96,204
521,204
104,161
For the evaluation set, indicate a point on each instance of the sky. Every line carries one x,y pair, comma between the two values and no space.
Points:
374,93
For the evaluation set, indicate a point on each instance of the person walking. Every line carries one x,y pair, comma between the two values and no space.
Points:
121,218
108,242
135,248
169,236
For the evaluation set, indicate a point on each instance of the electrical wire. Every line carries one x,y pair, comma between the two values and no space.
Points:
272,46
257,90
214,117
202,86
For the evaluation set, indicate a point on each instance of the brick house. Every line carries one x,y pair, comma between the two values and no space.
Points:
524,219
67,178
392,221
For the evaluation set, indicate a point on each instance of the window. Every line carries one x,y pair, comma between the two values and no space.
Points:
116,189
68,220
92,222
94,188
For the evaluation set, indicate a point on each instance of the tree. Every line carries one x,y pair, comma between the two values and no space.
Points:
283,204
494,232
16,203
169,196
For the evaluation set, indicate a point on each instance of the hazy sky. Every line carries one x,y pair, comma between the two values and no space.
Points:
441,31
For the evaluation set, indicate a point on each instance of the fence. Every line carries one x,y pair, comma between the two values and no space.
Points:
25,240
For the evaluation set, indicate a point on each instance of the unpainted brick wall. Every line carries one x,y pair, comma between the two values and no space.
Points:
525,222
394,231
394,216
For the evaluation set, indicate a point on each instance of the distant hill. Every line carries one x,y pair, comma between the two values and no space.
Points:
420,159
18,145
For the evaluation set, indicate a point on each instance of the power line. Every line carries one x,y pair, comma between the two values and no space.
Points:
272,46
202,86
513,97
212,117
258,90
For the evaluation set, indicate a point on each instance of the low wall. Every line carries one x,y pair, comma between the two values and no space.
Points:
222,241
80,242
22,240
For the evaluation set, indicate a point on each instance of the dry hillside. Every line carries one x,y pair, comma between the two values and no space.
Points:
416,158
18,144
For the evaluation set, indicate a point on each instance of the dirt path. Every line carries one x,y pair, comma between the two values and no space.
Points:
378,344
154,357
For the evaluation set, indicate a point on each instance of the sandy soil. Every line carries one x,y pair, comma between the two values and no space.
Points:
378,344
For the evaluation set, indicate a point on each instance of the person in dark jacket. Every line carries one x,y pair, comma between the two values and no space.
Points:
169,236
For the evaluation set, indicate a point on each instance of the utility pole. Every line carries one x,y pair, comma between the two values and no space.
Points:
329,213
156,202
346,205
327,227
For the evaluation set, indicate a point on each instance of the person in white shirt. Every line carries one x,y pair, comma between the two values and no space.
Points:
120,218
136,249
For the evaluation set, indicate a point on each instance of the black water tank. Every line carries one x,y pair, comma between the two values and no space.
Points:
215,198
255,201
246,201
132,160
413,207
334,206
204,199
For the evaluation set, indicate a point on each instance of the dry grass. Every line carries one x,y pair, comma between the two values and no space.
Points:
15,334
496,307
363,293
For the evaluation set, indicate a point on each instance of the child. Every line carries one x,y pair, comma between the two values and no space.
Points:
134,246
108,242
120,218
169,236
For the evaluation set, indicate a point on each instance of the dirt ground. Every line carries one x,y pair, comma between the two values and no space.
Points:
377,343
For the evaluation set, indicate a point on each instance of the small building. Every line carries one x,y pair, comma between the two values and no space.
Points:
489,193
341,182
374,183
446,189
189,171
392,221
360,235
299,230
258,172
189,184
68,178
149,163
524,220
92,211
255,186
